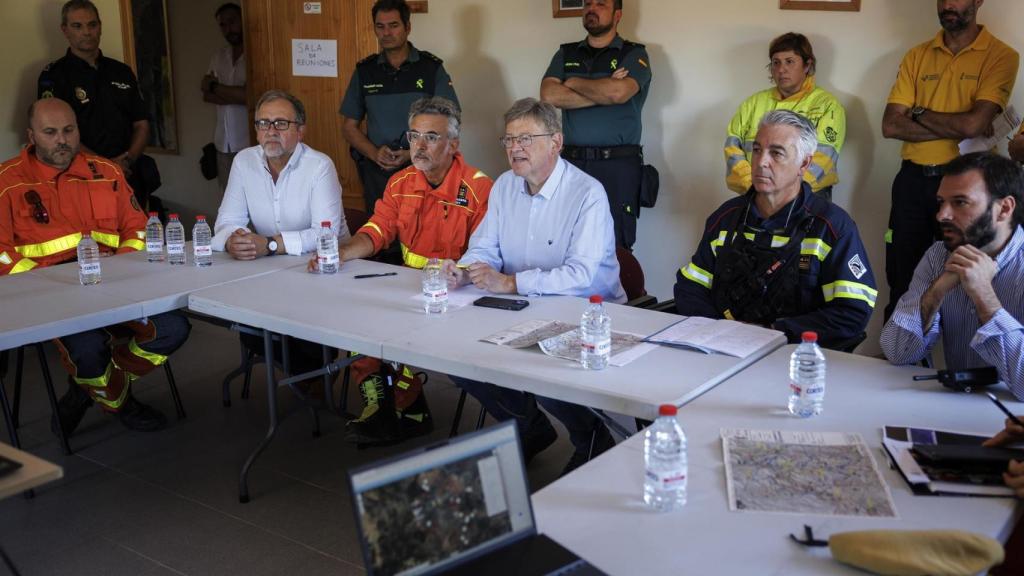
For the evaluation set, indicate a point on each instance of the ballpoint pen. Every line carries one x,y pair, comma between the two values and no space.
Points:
361,276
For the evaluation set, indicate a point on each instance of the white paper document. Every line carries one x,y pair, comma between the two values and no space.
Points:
1003,127
710,336
829,473
562,340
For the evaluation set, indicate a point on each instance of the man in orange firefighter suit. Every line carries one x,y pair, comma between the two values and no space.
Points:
50,195
431,208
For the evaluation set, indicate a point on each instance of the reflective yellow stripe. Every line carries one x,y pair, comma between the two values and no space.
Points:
133,243
23,265
412,259
97,382
888,236
116,403
50,247
152,357
728,315
815,247
698,275
851,290
112,240
373,226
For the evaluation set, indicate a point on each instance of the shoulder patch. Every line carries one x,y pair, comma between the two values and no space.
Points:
479,174
857,267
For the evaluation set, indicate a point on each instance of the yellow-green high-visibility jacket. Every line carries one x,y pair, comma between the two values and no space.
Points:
817,105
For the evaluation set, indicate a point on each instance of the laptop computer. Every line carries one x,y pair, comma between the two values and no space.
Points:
461,506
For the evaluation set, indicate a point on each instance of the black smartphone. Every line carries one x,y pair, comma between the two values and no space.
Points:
501,303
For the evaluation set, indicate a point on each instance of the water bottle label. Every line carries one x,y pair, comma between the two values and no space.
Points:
435,295
814,392
202,251
90,268
668,480
327,259
795,388
175,249
157,246
603,347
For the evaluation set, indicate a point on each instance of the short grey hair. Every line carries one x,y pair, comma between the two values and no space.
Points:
271,95
438,106
72,5
807,135
542,112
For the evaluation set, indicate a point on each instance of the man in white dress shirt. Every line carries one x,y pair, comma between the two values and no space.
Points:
285,189
224,85
548,230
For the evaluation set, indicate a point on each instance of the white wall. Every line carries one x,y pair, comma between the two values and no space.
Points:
706,58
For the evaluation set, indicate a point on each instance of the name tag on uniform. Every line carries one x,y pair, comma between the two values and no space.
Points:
460,199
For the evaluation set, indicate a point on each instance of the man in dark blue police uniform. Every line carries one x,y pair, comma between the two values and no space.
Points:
780,256
105,97
601,84
382,88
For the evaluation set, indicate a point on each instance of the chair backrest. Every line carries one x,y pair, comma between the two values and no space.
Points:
630,274
355,219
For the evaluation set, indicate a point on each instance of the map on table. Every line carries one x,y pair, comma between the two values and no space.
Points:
829,473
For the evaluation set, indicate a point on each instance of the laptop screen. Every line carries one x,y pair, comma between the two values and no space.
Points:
434,508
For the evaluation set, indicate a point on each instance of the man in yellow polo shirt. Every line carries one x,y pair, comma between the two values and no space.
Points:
948,89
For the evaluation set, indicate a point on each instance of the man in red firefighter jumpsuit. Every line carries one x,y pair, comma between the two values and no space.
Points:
431,208
50,196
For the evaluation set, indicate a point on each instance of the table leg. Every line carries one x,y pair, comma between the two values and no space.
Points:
5,406
9,563
243,480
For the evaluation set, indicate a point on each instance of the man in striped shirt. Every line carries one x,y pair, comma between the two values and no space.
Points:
966,287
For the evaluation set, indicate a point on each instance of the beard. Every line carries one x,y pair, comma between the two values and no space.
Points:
957,21
595,28
979,233
60,156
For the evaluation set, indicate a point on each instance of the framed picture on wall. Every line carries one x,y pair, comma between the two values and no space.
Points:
837,5
147,49
567,8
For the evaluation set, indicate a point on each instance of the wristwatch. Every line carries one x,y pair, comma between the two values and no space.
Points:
916,112
271,246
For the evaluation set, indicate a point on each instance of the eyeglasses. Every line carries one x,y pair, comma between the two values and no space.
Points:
39,212
430,137
279,125
524,140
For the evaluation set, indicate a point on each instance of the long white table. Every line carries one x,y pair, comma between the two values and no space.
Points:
597,511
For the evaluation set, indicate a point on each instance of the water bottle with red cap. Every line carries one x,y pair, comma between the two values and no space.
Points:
665,466
807,377
595,335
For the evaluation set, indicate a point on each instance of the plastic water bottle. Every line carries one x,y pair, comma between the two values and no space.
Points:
201,237
88,261
595,335
154,239
435,288
175,240
807,377
665,469
327,249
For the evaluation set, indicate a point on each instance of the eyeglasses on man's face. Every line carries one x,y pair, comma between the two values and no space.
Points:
523,140
280,124
430,138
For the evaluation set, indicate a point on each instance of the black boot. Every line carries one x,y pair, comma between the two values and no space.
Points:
71,408
135,415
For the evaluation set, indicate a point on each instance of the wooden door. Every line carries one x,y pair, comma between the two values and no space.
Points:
270,26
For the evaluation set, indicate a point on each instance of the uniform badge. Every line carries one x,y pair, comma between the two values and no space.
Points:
805,262
642,63
419,83
857,266
47,93
460,198
81,95
831,135
615,63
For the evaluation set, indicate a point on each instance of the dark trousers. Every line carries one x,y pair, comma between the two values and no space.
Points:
912,227
90,352
621,180
505,404
303,356
374,180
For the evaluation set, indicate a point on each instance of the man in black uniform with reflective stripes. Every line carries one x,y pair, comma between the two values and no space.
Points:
382,88
601,84
105,97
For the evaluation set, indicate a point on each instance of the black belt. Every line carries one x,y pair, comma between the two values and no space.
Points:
928,170
600,153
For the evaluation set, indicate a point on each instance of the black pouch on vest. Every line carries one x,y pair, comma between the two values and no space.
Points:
650,181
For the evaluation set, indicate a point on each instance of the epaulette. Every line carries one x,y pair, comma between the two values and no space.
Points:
629,44
426,54
369,59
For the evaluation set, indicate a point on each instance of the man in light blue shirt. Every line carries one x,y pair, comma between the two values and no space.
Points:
966,289
548,230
